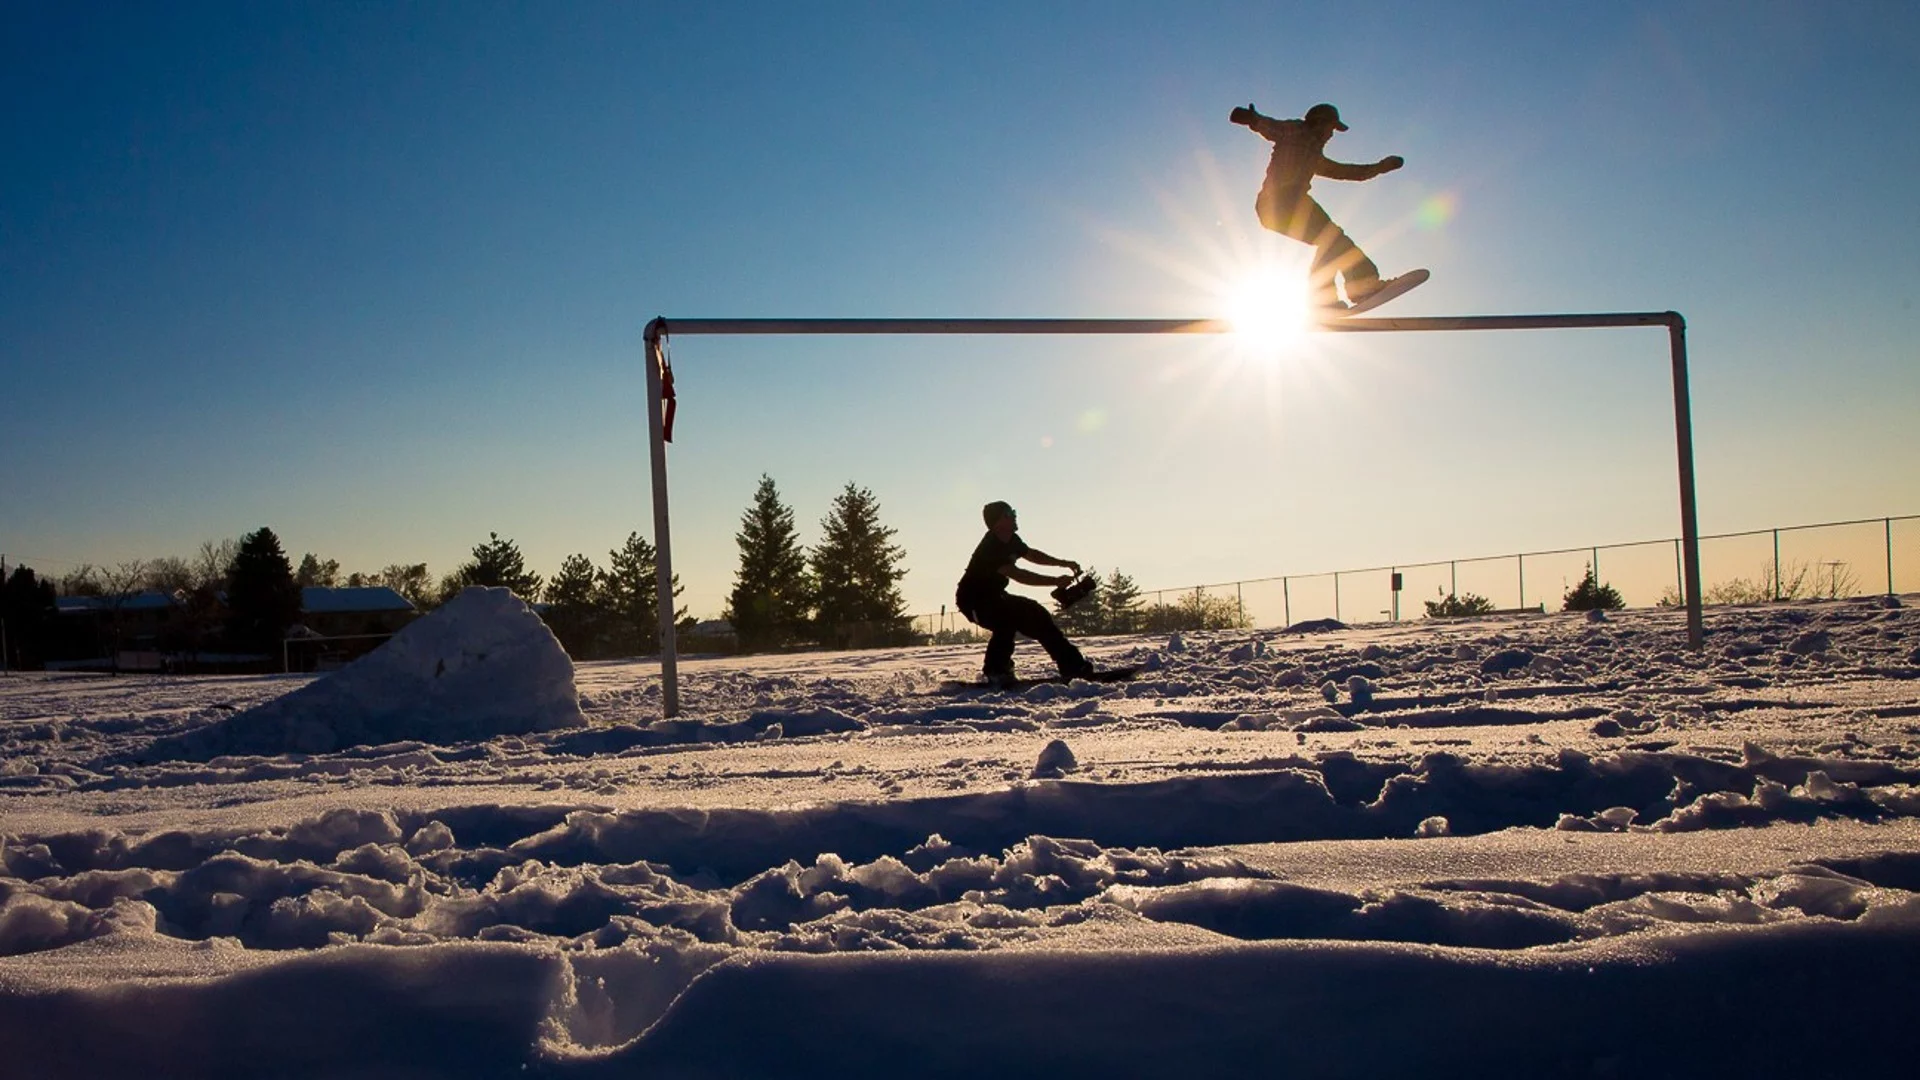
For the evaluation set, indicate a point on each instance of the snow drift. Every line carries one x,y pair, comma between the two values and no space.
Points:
1549,846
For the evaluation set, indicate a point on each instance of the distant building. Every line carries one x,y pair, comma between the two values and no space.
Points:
371,609
101,631
710,635
338,625
156,631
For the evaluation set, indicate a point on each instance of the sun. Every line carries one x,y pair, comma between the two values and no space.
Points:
1267,309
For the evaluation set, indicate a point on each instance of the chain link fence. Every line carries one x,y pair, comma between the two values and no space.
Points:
1829,560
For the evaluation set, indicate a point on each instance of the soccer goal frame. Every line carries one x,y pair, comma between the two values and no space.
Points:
660,398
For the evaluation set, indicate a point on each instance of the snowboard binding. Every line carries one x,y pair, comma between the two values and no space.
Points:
1073,592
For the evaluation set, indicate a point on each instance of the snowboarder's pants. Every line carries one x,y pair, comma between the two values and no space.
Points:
1007,616
1301,218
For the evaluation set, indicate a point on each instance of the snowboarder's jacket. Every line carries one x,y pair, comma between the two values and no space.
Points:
1298,157
983,578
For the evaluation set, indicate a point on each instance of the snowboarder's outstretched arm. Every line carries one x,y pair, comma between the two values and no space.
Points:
1251,117
1340,170
1028,577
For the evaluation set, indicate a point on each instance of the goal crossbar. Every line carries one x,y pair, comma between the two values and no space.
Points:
660,329
668,327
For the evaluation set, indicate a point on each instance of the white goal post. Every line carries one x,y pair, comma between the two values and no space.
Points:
660,376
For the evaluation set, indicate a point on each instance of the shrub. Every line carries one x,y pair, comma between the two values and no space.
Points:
1591,594
1454,607
1194,611
1794,581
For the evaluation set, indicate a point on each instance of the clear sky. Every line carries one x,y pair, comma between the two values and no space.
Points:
374,275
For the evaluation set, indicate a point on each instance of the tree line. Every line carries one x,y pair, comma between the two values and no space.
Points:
844,592
242,596
234,596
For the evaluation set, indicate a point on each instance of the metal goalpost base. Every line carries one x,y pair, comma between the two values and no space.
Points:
660,329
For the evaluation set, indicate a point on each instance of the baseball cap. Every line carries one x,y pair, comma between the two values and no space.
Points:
1324,111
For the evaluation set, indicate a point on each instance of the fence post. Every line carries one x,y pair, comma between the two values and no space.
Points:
1776,566
1522,558
1286,601
1240,603
1336,596
1679,574
1889,524
1453,578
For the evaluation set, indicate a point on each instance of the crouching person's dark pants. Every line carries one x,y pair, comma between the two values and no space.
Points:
1007,616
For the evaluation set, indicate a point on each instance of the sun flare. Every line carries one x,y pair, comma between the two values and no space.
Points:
1267,309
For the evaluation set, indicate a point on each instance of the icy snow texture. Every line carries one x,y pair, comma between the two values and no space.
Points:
1546,846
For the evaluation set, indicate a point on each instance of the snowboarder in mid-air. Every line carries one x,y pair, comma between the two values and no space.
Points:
983,598
1299,155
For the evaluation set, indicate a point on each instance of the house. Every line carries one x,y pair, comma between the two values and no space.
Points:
373,609
339,625
116,632
157,631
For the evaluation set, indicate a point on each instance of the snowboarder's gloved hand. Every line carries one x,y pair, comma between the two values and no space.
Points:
1391,162
1243,116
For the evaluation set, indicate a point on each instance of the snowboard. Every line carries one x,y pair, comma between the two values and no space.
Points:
1073,592
1124,674
1389,289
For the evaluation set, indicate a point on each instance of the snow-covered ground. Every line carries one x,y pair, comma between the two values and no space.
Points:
1548,846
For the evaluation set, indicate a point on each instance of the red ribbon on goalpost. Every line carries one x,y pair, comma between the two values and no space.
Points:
666,395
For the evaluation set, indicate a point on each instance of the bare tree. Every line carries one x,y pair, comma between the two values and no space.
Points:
118,585
410,580
170,575
82,580
124,579
214,560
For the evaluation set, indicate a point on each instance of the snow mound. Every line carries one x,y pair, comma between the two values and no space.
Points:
481,665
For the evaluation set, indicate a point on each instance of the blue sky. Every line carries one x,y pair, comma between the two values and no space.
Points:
375,275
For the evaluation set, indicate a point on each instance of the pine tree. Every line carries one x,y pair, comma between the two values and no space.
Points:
1590,594
262,598
497,564
857,572
29,611
573,612
772,591
628,594
1119,605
